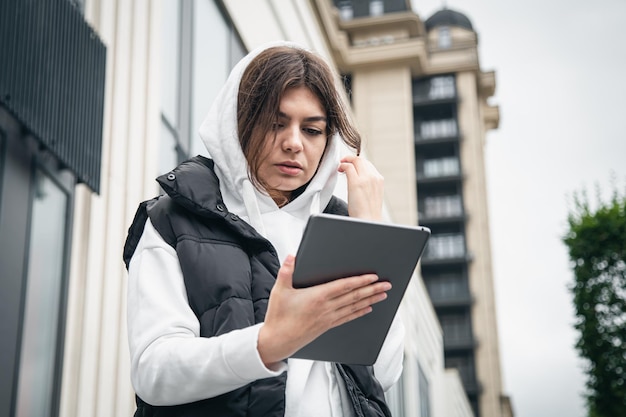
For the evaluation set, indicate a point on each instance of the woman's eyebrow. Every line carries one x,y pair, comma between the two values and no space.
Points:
306,119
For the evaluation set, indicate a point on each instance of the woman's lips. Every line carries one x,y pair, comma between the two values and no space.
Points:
289,168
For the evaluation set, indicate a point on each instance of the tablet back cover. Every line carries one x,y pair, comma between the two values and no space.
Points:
337,246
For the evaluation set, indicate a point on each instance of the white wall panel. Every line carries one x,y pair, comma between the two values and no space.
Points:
96,379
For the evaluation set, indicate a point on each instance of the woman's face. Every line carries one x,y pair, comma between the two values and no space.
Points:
291,159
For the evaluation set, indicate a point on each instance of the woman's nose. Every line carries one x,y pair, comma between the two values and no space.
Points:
292,140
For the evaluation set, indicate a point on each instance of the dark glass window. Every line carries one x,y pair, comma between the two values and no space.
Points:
349,9
445,246
2,163
194,70
395,395
442,206
445,40
424,390
441,87
42,305
35,234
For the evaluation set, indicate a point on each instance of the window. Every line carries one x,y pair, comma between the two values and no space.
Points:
395,396
377,7
443,206
434,129
44,285
445,40
345,10
35,232
194,70
171,40
444,246
2,163
424,393
441,167
441,87
211,63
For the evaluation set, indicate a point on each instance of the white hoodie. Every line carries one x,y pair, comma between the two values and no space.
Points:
170,364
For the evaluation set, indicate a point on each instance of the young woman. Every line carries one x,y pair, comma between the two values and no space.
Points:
212,314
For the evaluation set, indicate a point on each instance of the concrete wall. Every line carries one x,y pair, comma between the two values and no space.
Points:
382,101
478,244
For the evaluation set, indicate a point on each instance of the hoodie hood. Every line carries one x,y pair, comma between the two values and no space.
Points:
219,135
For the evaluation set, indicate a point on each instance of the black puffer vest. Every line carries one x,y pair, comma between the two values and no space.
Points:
229,270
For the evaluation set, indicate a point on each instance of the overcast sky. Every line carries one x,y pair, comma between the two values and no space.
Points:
561,87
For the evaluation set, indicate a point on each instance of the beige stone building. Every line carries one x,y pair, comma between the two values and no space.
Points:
99,97
421,100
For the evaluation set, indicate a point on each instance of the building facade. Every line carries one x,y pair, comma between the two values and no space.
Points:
128,85
421,98
52,82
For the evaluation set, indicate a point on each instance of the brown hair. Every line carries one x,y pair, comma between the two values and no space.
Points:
262,86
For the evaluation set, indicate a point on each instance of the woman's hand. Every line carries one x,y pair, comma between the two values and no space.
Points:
295,317
365,188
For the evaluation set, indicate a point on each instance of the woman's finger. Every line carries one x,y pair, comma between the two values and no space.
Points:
363,293
344,286
285,273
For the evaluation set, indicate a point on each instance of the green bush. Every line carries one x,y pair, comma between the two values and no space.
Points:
596,241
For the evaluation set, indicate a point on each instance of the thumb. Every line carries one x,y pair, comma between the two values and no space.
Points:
285,273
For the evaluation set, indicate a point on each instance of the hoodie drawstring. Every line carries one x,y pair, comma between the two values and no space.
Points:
252,207
316,204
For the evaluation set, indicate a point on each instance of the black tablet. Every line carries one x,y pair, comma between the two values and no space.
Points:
335,247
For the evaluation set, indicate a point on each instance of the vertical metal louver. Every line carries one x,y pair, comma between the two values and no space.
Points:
52,75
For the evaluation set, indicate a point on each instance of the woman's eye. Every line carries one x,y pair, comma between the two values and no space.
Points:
311,131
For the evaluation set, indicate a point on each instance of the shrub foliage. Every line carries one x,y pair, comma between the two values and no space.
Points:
596,241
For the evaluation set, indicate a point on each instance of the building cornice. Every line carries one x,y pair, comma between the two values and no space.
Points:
392,38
